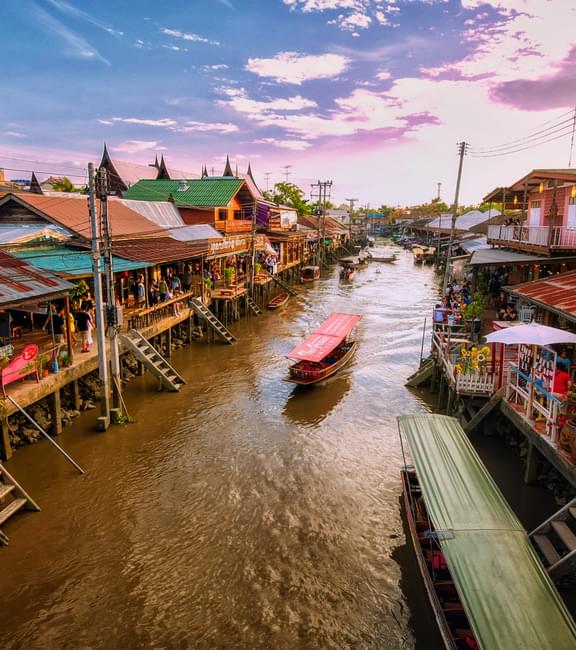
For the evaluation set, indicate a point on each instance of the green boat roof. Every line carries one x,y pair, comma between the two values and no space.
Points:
506,592
206,192
72,263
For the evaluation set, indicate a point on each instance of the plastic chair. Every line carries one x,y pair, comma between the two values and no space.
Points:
526,314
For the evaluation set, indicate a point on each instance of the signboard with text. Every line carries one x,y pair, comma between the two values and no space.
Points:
234,245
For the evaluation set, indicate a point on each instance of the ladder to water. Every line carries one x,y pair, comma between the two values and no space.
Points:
16,499
555,540
253,306
281,283
153,360
203,312
421,375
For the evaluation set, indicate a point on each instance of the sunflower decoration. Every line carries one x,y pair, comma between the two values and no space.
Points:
473,360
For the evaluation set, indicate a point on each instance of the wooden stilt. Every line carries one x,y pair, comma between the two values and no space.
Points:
169,342
76,394
56,412
532,460
5,446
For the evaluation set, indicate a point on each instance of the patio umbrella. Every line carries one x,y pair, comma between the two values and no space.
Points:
531,334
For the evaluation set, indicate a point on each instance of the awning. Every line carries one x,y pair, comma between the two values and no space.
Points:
493,256
556,293
327,337
509,599
72,263
21,282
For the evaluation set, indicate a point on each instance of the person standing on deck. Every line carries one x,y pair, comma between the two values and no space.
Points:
163,289
84,323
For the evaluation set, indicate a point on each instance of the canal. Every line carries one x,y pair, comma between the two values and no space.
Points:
242,512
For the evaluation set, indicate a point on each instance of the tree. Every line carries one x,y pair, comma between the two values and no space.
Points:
290,195
63,184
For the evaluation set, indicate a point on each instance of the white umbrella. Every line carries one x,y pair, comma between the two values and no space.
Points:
531,334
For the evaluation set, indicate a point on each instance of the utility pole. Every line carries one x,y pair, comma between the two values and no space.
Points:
287,171
111,312
439,186
267,175
253,257
321,190
104,419
462,147
350,213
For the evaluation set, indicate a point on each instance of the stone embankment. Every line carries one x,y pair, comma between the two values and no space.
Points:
23,433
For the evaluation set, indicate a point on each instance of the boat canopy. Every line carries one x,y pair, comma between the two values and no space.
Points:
327,337
506,592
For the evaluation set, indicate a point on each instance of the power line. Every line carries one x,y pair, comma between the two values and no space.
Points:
507,153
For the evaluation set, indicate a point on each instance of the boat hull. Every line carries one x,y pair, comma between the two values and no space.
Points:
309,377
279,301
447,634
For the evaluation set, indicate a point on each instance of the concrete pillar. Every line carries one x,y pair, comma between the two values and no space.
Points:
56,412
76,394
531,470
5,446
449,401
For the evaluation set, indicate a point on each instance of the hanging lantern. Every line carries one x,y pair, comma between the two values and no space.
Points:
541,188
515,199
573,192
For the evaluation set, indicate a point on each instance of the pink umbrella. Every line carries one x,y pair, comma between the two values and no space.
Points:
531,334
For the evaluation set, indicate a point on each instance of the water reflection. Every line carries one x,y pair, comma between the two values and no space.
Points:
310,405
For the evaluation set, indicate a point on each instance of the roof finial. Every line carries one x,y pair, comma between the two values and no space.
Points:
228,168
249,172
204,172
35,187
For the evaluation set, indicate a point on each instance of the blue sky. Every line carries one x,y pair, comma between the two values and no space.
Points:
372,94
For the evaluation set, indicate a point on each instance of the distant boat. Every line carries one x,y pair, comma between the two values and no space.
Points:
325,352
389,260
347,273
278,301
309,273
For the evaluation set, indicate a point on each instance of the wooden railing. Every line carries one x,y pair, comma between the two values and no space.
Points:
537,403
538,236
166,309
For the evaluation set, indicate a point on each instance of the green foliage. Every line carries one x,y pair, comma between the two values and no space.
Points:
121,418
290,195
475,309
63,184
80,289
229,273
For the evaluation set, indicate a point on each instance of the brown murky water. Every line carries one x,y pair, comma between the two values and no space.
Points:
242,512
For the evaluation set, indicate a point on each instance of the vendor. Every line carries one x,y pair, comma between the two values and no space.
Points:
562,383
563,361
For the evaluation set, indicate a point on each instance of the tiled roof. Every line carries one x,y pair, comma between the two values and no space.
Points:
331,227
207,192
72,214
130,173
557,292
21,282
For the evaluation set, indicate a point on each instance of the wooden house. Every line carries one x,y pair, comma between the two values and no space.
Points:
545,202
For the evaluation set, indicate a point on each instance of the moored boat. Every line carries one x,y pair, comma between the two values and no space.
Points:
309,273
324,352
278,301
389,260
483,578
347,273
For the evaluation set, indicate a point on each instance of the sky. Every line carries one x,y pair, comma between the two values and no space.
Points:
373,95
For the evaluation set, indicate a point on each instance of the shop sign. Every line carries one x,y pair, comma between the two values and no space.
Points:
233,245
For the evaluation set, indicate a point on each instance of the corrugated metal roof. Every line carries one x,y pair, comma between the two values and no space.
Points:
23,233
72,213
162,213
464,221
207,192
490,256
72,263
159,249
195,232
130,173
20,282
556,291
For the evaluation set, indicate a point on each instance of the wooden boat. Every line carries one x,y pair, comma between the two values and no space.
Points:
309,273
278,301
418,253
347,273
486,585
388,260
325,351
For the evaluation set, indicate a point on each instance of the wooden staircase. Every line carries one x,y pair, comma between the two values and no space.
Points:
203,312
153,360
287,288
253,306
555,540
423,373
12,499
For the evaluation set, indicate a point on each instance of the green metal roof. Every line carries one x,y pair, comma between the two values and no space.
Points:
72,263
207,192
506,592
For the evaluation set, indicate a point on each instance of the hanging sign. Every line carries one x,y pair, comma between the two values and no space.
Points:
544,369
524,363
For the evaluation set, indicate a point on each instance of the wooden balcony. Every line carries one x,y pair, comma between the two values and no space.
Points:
234,226
537,239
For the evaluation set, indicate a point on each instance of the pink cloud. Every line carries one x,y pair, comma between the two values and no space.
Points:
549,91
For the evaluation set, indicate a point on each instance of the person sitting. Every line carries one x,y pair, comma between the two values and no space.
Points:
562,383
563,360
510,314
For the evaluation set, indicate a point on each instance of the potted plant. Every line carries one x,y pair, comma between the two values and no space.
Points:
42,362
229,273
65,360
257,267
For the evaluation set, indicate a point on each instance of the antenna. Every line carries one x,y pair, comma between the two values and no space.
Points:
267,175
287,172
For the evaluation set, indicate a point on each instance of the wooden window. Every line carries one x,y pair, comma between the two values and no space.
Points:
222,214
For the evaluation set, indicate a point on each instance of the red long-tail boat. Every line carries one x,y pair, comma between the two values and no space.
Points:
324,352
